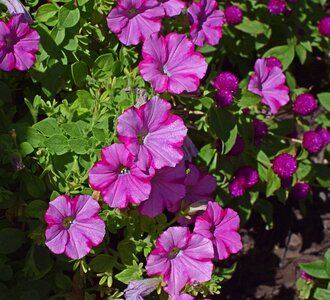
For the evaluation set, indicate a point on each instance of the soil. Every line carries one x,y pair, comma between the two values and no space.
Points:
268,265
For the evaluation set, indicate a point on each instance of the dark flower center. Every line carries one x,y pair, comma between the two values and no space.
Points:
67,222
10,42
165,71
122,170
141,137
174,252
132,12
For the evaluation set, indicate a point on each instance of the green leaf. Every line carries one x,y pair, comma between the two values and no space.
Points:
224,124
315,269
5,95
324,99
327,261
284,53
249,99
45,12
103,64
321,294
301,53
57,144
273,183
47,127
79,146
11,239
25,148
252,27
36,209
72,129
304,289
102,263
265,208
79,71
34,185
130,273
68,16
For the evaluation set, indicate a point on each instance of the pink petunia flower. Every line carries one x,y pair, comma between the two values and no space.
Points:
172,7
206,21
18,44
182,258
221,227
74,226
135,20
15,7
152,134
171,63
269,83
167,189
118,178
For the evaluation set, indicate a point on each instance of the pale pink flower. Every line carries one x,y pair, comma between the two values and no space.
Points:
134,21
15,7
118,178
182,258
167,191
172,7
18,44
269,83
74,226
171,63
221,227
206,21
152,134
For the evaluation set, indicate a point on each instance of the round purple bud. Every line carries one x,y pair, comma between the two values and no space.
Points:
236,188
305,277
248,175
300,190
312,141
233,15
224,98
284,165
325,135
324,26
276,7
286,182
260,130
273,62
305,104
226,81
238,147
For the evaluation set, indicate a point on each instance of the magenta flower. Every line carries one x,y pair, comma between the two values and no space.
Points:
15,7
199,185
221,227
233,15
171,64
206,21
182,258
312,141
167,189
277,7
269,83
118,178
324,26
325,134
137,289
182,297
152,134
172,7
135,20
305,104
300,191
189,149
74,226
18,44
284,165
236,187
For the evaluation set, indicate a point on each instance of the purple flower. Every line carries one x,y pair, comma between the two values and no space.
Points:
167,191
135,20
325,134
221,227
237,187
189,149
277,7
15,7
273,62
199,185
224,98
171,64
248,175
305,104
284,165
233,15
324,26
269,83
182,258
172,7
226,81
305,277
74,226
206,21
137,289
182,297
238,147
312,141
301,190
260,131
118,178
18,44
152,134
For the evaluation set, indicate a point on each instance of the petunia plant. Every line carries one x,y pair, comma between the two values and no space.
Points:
138,137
